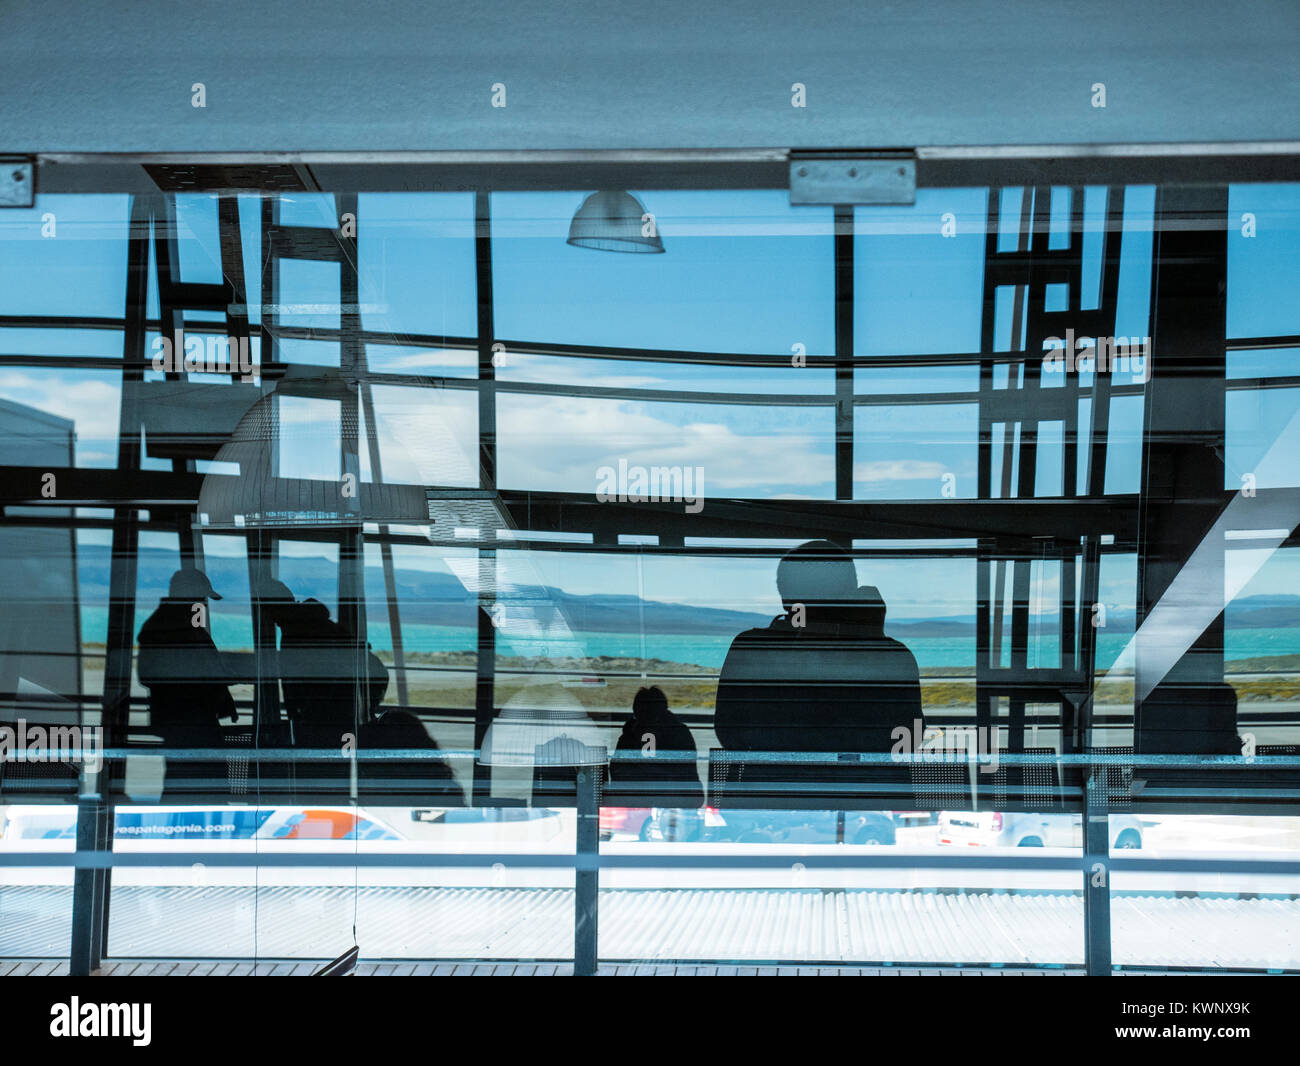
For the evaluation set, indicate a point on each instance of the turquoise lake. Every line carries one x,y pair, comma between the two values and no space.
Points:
232,632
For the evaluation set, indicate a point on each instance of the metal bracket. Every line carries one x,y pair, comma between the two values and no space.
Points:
17,181
866,178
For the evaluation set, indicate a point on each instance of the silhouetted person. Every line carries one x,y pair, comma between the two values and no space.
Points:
318,664
326,696
651,730
324,700
179,663
394,729
823,676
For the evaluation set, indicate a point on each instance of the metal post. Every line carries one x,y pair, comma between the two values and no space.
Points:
1183,468
586,876
1096,876
103,886
88,891
91,888
485,673
843,353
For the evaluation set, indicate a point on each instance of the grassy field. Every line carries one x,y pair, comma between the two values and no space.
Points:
447,679
941,687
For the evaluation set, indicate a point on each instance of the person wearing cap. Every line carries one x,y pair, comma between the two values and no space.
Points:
189,685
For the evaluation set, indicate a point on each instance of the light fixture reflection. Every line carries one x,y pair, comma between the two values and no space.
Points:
612,221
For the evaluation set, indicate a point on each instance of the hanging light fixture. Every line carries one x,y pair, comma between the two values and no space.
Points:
612,221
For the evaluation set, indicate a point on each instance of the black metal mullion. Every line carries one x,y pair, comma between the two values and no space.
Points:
844,302
92,888
485,668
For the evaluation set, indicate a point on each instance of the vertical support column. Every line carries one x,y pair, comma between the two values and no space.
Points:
485,685
1190,710
352,594
992,561
586,874
487,399
985,625
92,888
844,353
485,670
986,621
103,883
1096,875
89,889
1027,332
352,539
988,319
1090,590
171,324
262,547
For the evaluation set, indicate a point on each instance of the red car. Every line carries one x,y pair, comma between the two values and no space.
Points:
630,820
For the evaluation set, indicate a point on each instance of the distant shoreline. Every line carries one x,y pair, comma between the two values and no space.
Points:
614,664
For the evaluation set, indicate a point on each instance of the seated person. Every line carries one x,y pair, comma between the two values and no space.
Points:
331,685
432,777
318,664
823,676
654,730
189,685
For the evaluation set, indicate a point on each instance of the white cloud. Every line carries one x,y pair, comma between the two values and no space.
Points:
897,470
558,443
91,405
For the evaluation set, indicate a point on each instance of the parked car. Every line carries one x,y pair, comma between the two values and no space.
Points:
1033,829
746,826
629,821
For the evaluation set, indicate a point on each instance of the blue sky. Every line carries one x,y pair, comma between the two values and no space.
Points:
743,272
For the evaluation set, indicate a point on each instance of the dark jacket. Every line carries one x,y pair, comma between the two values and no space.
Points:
318,669
188,683
671,735
836,684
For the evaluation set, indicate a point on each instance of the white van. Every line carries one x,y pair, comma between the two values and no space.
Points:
1034,829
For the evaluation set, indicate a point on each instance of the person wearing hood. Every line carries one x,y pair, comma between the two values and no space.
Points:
823,676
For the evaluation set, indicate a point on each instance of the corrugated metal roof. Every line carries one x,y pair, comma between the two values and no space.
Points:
656,925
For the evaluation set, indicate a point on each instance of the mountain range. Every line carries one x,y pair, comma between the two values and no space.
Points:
432,598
